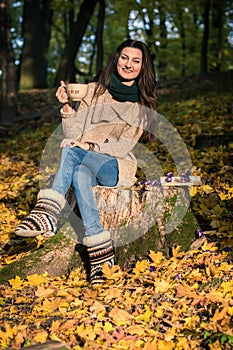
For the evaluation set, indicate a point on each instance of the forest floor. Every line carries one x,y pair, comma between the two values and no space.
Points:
178,302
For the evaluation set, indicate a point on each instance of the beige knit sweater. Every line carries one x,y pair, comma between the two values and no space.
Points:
115,126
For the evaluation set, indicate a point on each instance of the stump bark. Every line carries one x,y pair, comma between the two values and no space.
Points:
139,220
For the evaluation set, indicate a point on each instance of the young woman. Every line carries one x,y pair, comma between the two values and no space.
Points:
99,138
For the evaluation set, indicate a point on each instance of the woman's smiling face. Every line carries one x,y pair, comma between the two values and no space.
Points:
129,64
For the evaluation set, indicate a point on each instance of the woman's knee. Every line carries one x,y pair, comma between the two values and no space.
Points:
72,155
83,175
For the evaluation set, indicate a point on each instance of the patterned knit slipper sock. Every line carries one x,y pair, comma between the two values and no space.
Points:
100,253
43,217
36,224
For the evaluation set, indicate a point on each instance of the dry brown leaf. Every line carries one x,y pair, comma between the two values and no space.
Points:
120,316
97,307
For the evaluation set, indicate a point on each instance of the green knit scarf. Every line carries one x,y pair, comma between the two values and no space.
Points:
122,92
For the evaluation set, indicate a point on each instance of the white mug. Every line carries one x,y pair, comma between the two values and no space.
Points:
76,92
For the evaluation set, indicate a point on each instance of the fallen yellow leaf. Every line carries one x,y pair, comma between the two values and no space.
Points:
41,337
113,272
55,326
156,257
16,283
36,280
137,330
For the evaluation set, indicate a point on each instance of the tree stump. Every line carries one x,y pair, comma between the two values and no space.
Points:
129,214
139,220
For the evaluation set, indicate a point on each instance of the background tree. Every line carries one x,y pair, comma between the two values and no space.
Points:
8,106
99,36
162,61
66,69
205,38
181,26
148,16
36,30
217,22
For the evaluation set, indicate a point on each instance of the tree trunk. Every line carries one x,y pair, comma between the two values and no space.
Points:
36,33
162,64
66,70
217,24
137,220
180,25
205,39
148,21
8,106
99,36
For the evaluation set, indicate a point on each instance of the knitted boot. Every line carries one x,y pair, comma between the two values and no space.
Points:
100,251
44,216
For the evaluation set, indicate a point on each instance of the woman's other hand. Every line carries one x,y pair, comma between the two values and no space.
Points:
83,145
66,142
72,143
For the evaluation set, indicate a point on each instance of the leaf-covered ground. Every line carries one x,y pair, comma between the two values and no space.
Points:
184,302
178,302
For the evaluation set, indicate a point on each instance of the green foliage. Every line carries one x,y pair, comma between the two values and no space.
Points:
176,52
225,339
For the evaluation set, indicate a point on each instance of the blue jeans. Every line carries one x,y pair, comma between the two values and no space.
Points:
84,170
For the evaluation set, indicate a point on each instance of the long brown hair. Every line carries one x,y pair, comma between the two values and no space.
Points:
146,79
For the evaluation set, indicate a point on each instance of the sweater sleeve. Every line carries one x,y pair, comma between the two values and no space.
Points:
74,123
69,125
